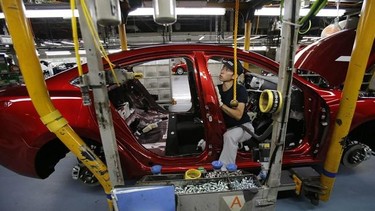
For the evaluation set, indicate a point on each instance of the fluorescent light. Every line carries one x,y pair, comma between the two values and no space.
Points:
113,50
241,38
54,13
67,43
254,38
52,43
145,11
200,11
329,13
303,12
258,48
142,11
5,39
267,12
58,53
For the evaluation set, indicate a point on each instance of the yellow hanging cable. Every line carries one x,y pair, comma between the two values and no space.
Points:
235,50
75,38
95,35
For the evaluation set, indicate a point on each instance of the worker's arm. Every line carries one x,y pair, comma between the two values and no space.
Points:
236,112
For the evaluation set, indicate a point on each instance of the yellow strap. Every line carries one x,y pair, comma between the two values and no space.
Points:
46,119
57,125
54,121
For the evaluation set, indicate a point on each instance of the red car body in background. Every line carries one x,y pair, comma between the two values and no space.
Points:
28,148
180,68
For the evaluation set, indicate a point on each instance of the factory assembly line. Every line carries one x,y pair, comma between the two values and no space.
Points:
103,112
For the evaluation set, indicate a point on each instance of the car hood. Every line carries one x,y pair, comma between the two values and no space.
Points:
329,57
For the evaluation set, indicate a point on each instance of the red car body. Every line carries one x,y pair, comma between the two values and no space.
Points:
180,68
28,148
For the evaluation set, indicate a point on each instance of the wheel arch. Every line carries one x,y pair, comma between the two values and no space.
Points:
50,154
364,133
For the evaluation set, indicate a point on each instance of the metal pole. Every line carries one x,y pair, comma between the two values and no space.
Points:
289,36
96,78
357,66
247,40
122,35
247,35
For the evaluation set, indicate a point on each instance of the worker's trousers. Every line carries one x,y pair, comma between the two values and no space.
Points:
231,138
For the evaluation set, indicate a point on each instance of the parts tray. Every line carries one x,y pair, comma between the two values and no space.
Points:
178,180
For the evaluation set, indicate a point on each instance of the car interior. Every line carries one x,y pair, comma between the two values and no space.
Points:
262,122
156,128
167,133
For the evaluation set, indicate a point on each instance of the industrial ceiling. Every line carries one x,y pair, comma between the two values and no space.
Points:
142,30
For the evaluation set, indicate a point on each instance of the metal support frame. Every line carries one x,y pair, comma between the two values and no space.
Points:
289,36
97,82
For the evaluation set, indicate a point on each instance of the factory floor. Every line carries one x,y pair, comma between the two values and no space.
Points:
354,190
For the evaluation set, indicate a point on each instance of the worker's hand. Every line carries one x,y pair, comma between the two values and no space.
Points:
218,96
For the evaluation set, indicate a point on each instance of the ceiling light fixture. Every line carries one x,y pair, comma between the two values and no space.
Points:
258,48
200,11
110,51
241,38
303,12
144,11
185,11
55,13
67,42
52,43
57,53
147,11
